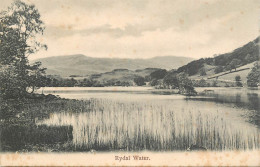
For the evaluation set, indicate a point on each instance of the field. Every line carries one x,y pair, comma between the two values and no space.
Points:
229,77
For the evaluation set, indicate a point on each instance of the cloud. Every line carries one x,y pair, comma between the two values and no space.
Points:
197,41
147,28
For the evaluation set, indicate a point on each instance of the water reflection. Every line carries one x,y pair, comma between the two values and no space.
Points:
246,99
254,101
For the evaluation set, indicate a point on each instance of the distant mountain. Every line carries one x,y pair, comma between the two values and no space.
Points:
83,65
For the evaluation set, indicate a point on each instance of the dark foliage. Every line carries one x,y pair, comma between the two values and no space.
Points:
253,78
159,74
16,136
139,81
19,26
192,67
170,81
218,69
203,72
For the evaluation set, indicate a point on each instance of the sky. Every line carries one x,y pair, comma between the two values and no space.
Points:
145,28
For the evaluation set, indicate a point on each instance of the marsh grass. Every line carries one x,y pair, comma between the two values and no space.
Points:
159,125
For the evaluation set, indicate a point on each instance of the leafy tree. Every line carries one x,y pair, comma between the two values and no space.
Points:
238,81
250,58
19,26
154,82
203,72
253,78
9,82
185,85
174,80
86,82
159,74
229,67
218,69
202,83
35,78
170,81
192,67
238,78
139,81
235,63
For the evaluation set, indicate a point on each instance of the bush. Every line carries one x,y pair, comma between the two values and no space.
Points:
139,81
214,84
218,69
253,78
154,82
16,136
203,72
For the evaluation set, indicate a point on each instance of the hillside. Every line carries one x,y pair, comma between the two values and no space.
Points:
241,56
122,75
227,76
84,66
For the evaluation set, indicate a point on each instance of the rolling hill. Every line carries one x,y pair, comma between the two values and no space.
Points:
84,66
241,56
123,75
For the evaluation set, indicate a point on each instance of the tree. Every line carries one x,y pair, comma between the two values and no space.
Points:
35,78
249,58
185,85
170,81
235,63
159,74
192,67
203,72
237,78
8,82
19,26
202,83
228,67
154,82
218,69
238,81
174,80
253,78
139,81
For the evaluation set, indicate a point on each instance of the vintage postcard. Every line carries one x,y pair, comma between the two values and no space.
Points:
129,83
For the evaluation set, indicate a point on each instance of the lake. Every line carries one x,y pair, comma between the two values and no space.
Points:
143,118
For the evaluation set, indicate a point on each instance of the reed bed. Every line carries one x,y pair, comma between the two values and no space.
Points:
158,125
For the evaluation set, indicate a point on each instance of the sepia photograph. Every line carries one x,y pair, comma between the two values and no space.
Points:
129,83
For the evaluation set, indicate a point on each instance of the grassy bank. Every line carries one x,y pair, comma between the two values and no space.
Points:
18,131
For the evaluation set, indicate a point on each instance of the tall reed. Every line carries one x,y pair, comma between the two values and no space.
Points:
109,124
